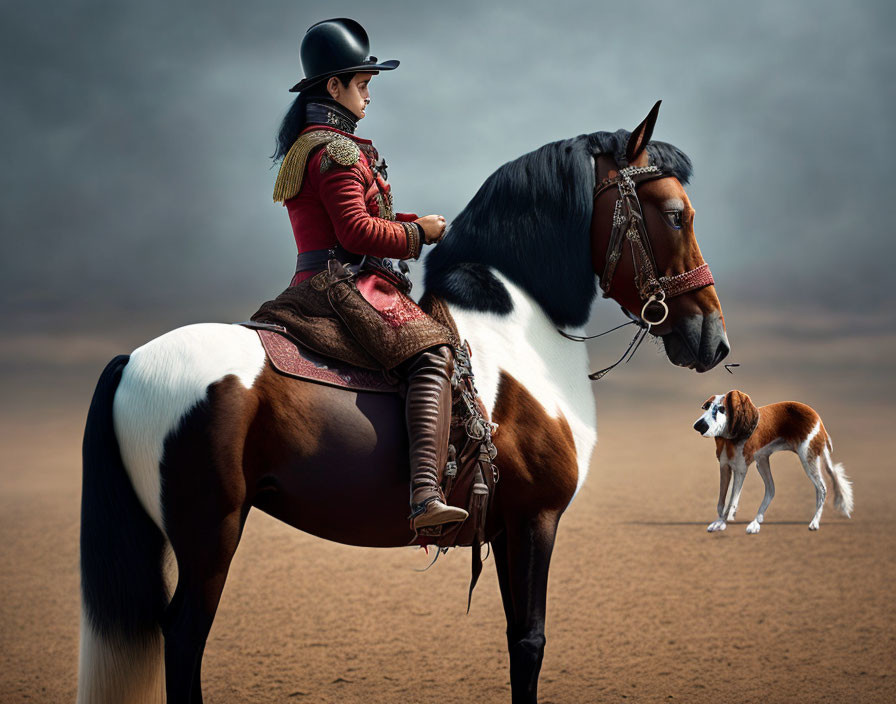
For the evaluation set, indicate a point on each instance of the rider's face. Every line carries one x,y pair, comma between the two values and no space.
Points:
356,96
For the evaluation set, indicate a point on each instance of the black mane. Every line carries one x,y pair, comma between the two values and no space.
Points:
530,220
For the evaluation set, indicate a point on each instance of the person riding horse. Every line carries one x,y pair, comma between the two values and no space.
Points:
333,184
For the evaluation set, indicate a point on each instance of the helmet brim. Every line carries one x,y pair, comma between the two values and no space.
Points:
361,68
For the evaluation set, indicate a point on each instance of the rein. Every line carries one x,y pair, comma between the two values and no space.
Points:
633,346
629,225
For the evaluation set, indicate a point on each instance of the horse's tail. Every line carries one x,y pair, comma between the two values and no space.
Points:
122,583
842,485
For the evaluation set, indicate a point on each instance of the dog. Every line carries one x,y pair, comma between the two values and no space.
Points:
745,433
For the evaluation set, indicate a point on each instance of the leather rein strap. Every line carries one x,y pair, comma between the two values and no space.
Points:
629,225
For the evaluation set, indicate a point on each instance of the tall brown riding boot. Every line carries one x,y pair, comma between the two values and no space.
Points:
428,415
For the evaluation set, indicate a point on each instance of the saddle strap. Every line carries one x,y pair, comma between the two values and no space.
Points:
478,511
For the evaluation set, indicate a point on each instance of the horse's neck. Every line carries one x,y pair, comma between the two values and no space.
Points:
525,344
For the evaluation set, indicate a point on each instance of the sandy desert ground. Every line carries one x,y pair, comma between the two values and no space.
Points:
644,605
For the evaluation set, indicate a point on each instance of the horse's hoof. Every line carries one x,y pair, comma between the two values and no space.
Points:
753,527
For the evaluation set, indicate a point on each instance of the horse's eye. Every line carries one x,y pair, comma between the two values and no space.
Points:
673,217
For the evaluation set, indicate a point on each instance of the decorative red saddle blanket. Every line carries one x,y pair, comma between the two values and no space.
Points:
294,360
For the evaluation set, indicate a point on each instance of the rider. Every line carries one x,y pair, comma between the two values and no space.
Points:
333,184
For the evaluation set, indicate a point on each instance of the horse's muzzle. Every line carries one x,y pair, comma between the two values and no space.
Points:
698,342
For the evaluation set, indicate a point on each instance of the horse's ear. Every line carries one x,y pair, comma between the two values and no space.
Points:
640,136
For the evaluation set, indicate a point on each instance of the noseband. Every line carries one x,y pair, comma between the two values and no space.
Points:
628,224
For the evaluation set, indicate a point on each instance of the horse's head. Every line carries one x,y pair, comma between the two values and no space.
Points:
644,250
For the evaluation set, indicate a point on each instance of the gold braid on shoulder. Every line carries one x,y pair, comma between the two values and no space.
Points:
292,169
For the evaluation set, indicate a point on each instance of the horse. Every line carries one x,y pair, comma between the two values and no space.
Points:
191,430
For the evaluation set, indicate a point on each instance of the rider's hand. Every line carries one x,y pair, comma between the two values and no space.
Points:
433,227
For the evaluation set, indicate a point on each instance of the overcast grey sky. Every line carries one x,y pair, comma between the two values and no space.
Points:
136,176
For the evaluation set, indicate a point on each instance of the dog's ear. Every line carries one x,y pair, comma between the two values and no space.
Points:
708,402
741,413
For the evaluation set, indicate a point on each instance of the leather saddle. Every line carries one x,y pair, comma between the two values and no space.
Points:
470,475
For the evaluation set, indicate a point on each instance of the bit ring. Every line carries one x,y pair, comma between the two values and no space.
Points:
659,299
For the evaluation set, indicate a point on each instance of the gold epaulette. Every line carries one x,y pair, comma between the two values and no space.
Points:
292,170
343,151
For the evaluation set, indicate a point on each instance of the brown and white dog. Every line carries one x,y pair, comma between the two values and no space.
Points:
745,433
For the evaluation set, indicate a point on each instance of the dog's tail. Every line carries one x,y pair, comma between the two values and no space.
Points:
842,485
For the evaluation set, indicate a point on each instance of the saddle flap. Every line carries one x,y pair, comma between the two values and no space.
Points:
296,361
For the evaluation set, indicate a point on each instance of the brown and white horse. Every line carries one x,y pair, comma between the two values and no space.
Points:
190,431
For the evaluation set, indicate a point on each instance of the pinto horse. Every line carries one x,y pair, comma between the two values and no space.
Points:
190,431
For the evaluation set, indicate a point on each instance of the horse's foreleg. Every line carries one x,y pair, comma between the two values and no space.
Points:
502,567
526,559
203,560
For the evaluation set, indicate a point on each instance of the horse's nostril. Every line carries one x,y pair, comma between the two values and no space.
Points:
721,351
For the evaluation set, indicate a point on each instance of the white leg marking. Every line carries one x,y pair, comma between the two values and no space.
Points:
163,380
724,483
740,471
716,526
812,467
526,345
765,471
813,471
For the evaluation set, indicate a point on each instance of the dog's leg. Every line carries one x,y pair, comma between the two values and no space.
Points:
765,471
724,481
740,471
813,470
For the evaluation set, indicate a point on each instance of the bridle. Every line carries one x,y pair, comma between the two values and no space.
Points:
628,224
654,290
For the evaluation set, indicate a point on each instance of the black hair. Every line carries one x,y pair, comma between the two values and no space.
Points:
664,156
294,121
531,222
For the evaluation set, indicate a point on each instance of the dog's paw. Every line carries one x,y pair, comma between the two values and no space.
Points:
716,526
753,527
813,525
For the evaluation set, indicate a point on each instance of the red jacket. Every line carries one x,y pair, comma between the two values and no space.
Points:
350,206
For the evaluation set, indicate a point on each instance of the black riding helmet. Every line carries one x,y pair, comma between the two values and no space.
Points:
336,46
